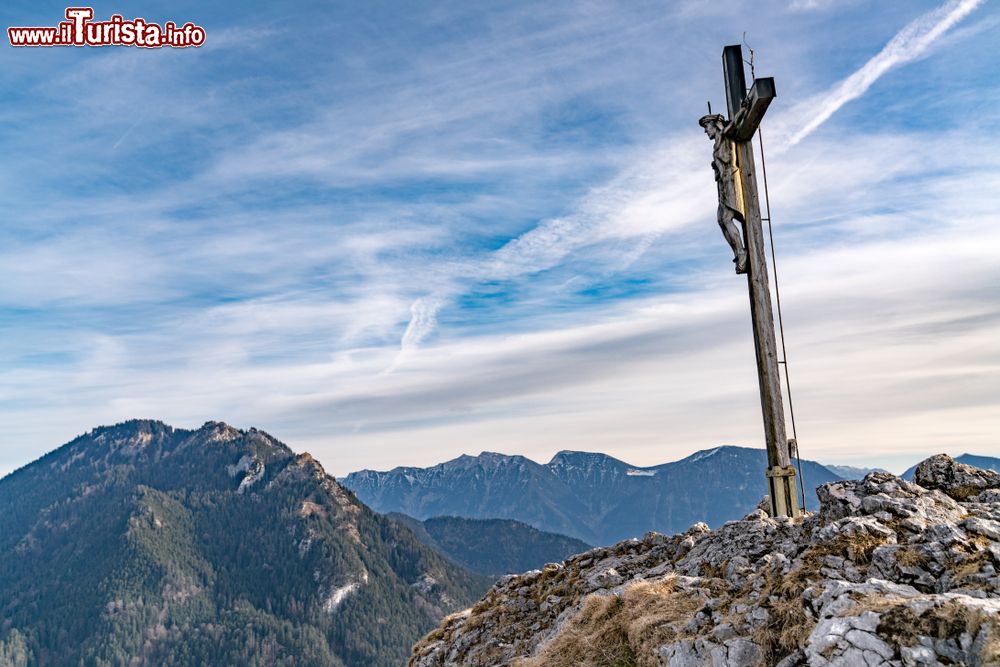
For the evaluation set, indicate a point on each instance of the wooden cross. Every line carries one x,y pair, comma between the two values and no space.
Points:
745,114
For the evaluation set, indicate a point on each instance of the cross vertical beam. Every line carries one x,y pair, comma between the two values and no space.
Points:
736,82
745,113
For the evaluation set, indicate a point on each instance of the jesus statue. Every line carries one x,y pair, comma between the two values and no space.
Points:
726,178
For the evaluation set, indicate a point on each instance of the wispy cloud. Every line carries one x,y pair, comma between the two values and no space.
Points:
423,320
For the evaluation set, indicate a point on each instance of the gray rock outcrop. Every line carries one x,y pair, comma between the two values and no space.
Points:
958,480
888,572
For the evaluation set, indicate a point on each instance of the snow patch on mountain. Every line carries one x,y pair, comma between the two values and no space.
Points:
701,456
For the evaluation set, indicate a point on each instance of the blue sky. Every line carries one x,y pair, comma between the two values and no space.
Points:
390,233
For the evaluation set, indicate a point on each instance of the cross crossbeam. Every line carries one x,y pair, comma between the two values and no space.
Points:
751,112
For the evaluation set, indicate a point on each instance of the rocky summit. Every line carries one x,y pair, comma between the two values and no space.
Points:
888,572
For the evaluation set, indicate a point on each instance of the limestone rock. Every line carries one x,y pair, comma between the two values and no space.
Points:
958,480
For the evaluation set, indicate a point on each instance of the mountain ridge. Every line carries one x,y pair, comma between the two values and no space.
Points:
590,496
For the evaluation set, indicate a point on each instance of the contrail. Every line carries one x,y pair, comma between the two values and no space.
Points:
908,44
124,136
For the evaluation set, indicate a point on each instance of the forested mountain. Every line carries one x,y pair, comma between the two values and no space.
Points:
140,544
493,547
592,497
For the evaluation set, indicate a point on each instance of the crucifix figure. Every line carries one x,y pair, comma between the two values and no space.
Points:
727,179
736,177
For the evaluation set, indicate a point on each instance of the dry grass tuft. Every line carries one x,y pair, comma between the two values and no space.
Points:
860,548
970,566
620,630
910,556
789,626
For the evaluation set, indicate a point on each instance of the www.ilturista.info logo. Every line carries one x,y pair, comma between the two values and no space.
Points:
80,30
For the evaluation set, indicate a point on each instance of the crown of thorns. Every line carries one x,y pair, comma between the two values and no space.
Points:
712,118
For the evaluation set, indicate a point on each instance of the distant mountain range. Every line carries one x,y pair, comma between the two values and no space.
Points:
147,545
592,497
493,547
852,472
